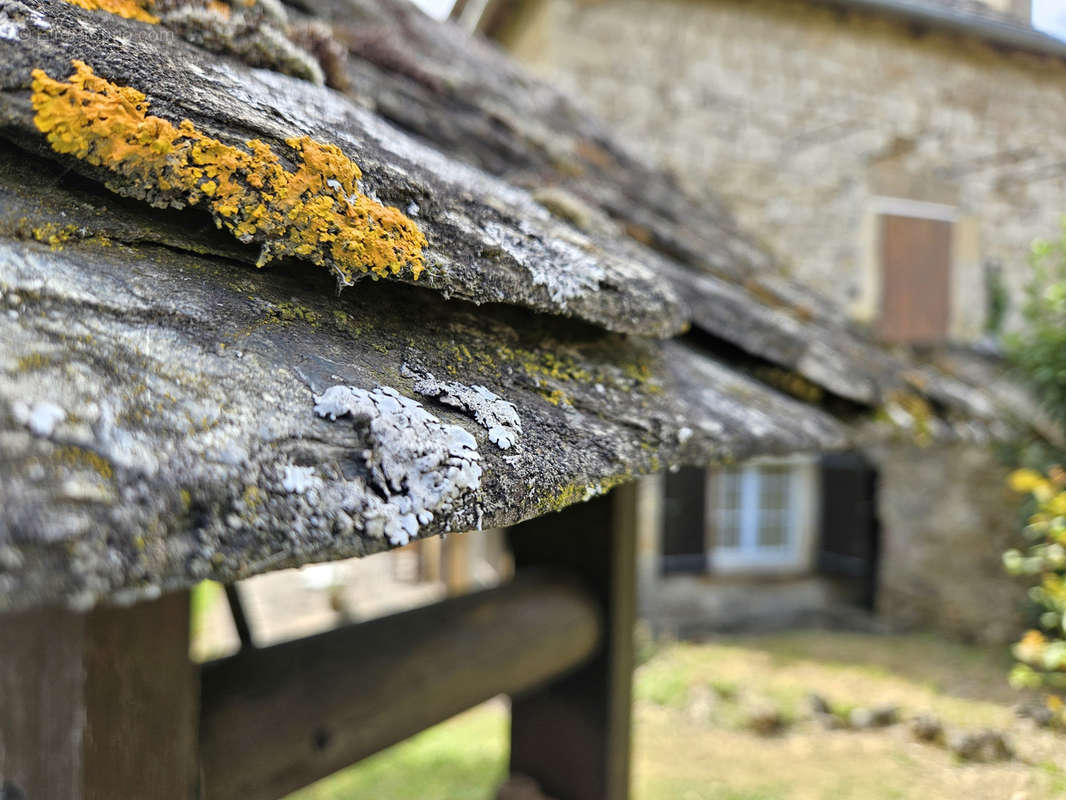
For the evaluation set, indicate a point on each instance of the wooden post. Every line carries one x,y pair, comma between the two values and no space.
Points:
648,513
573,735
429,559
98,706
458,576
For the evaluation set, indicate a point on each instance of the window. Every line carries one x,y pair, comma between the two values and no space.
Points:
915,253
758,515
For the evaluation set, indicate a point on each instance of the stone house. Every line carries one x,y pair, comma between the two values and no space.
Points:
897,157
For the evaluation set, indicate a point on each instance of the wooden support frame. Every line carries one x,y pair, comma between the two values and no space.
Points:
278,718
105,705
98,706
573,735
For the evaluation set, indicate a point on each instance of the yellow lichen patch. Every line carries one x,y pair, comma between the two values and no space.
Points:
252,496
316,212
53,234
32,362
130,9
555,396
77,457
790,382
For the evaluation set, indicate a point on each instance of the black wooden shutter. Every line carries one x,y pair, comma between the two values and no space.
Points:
684,525
850,535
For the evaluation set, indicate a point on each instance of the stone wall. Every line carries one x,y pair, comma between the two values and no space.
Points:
803,116
687,606
946,517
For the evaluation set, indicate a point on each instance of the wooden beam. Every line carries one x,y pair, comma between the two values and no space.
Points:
573,735
98,706
276,719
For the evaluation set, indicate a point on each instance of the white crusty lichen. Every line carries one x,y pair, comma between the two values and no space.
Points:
416,465
528,246
499,417
298,479
41,418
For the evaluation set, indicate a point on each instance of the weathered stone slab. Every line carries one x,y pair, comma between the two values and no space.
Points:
468,99
487,241
434,82
166,416
169,412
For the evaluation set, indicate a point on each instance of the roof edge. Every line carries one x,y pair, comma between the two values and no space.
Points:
1007,33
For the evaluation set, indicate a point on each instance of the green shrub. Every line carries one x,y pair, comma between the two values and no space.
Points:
1038,351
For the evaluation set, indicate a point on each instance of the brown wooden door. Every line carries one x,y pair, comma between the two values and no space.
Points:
915,279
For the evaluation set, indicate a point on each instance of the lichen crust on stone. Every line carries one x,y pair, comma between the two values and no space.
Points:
316,212
499,417
415,466
129,9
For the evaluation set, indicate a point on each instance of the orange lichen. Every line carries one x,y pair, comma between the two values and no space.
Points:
220,8
316,212
130,9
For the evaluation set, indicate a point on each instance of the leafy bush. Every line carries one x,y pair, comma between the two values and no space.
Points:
1038,351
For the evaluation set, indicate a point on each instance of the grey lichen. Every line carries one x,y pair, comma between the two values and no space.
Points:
499,417
415,466
584,272
256,34
299,479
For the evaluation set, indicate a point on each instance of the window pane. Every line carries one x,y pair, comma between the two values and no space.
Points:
774,507
727,512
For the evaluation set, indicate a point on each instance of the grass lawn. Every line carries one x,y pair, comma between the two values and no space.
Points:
682,755
462,759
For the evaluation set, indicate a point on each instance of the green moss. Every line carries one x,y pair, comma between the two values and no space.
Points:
573,493
344,321
292,312
920,412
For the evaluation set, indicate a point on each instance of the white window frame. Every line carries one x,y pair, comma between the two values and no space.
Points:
796,555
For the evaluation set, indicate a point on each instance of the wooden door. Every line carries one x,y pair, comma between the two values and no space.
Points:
915,279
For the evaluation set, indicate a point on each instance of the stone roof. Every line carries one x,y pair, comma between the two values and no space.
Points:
969,17
974,8
544,315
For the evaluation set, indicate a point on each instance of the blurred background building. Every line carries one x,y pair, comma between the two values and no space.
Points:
896,156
